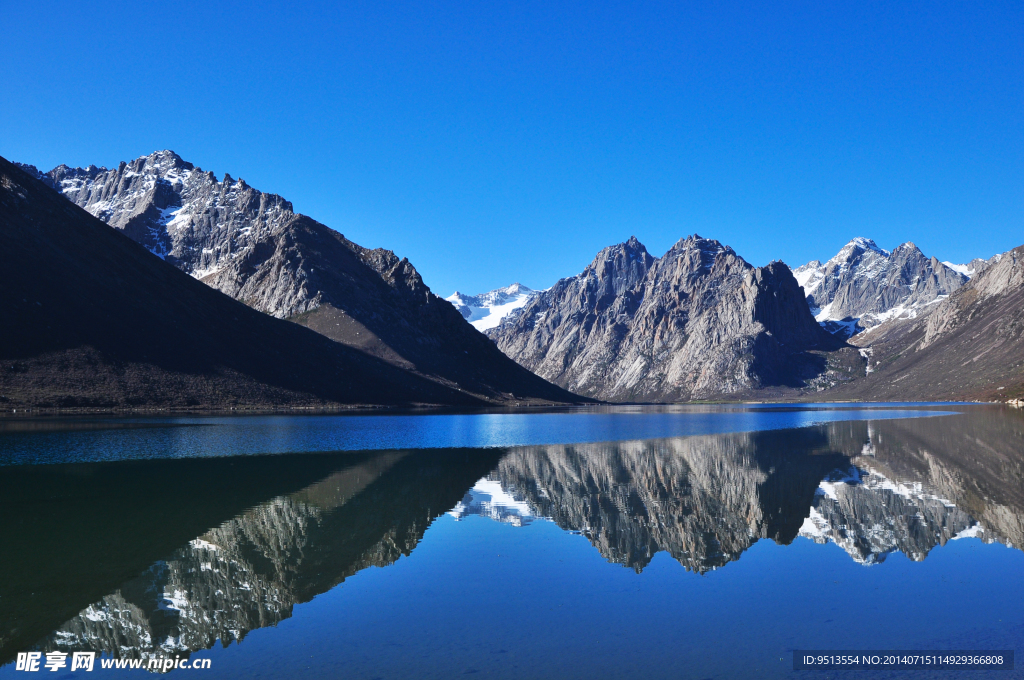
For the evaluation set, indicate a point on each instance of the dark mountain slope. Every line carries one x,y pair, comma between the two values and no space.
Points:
970,347
90,318
253,246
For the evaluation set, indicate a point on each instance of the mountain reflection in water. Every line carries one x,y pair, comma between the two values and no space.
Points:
119,557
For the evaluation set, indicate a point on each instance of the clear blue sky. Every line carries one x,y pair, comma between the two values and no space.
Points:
494,142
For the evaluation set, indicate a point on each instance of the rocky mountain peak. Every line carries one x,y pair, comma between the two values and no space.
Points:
622,253
862,244
252,246
975,266
865,285
699,321
517,288
165,159
699,243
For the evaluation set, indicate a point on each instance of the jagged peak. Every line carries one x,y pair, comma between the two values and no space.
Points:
516,288
31,170
705,246
908,246
862,243
165,154
162,161
813,264
631,248
632,244
698,241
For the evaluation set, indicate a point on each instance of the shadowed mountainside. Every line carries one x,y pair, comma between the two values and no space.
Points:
90,318
253,247
232,557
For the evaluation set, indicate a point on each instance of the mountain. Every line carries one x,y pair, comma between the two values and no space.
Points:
253,247
975,266
864,285
91,319
485,311
697,323
970,346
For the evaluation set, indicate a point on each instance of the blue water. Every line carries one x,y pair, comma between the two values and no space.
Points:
489,600
684,543
188,437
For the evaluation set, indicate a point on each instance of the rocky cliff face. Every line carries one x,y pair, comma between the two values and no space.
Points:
255,248
1004,278
697,323
864,285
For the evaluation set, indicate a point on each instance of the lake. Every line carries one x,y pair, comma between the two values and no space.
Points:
605,542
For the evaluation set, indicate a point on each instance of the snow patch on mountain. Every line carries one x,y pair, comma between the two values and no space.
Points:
975,266
485,311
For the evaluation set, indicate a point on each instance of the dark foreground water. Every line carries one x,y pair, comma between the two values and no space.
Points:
613,543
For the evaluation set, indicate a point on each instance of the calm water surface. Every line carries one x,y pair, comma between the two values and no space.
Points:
603,543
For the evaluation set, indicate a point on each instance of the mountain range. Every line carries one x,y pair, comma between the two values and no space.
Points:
864,285
969,346
91,319
697,323
631,328
254,248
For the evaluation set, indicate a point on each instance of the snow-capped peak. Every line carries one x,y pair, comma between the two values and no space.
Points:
865,285
975,266
865,244
808,275
485,311
961,269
